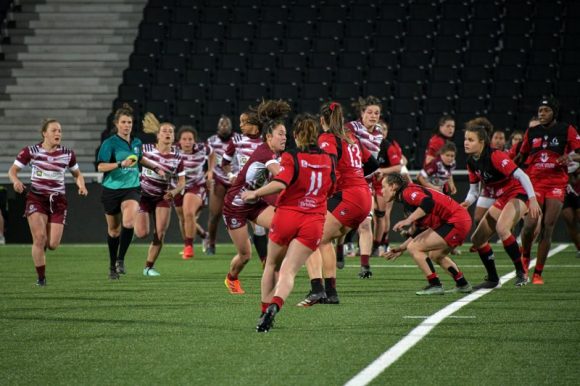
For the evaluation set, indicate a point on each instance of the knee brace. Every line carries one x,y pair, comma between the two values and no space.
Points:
259,231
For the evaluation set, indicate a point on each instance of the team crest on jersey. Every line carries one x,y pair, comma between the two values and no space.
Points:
32,208
504,163
544,157
413,196
136,149
536,142
323,145
545,142
554,142
343,212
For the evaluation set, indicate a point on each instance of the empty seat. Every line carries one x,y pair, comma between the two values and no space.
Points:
444,73
346,91
233,61
296,45
330,29
289,75
182,31
162,92
237,46
473,90
471,106
350,75
152,31
263,61
405,106
173,62
314,91
161,109
194,92
383,91
438,105
507,88
441,90
411,74
318,75
285,91
198,76
202,61
142,62
243,29
475,73
293,60
226,92
357,28
171,77
136,94
327,45
299,29
357,44
259,75
218,107
254,92
408,89
135,77
228,76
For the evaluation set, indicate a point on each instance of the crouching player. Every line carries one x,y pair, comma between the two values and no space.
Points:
306,179
447,225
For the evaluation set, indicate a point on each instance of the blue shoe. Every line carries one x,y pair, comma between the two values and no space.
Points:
150,272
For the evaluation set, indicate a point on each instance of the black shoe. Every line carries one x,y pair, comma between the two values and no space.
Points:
120,267
41,282
266,322
312,299
521,279
340,262
365,273
331,299
113,274
486,283
210,251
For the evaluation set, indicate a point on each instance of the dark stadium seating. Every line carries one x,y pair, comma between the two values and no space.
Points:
421,58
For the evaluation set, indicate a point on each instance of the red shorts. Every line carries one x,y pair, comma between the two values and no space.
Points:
288,225
549,190
377,186
505,196
237,216
351,206
54,206
455,230
147,204
198,190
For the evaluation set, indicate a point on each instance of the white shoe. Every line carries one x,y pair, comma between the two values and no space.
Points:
2,240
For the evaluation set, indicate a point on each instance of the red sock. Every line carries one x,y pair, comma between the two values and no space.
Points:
539,269
40,271
264,306
278,301
364,260
231,277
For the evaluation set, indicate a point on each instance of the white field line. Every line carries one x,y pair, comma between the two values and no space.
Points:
391,355
425,317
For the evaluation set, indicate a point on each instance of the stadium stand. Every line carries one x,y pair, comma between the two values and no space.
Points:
194,60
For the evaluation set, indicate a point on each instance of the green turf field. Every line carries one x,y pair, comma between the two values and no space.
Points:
185,328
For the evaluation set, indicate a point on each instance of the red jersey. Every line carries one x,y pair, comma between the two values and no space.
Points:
436,142
494,168
439,207
390,154
543,146
349,159
309,179
48,168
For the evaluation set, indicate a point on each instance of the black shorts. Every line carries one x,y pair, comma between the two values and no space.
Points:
113,198
571,201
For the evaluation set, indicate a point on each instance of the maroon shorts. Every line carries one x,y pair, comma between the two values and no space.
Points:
549,190
288,225
503,197
351,206
54,206
147,204
221,182
199,190
237,216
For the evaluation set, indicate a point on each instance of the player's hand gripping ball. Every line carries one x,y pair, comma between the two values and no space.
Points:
132,159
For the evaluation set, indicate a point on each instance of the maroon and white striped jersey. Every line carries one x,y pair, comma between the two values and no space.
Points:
240,149
370,140
254,175
48,168
218,146
193,165
152,184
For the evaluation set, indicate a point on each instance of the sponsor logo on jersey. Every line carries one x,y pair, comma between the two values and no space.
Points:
554,142
413,196
504,163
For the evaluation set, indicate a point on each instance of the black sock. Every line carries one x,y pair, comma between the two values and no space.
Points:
113,243
430,264
261,244
316,285
488,259
434,280
330,285
513,250
349,236
339,252
458,277
126,238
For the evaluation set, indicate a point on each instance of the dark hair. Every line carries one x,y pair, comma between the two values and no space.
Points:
498,131
552,103
448,146
333,117
269,114
361,104
305,130
399,180
441,122
480,123
225,117
187,129
126,110
514,133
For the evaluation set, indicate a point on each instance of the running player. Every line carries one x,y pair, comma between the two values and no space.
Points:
46,204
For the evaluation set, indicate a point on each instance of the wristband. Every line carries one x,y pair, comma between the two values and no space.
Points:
119,164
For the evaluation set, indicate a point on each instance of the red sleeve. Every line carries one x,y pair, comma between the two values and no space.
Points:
394,154
473,178
513,152
434,145
525,148
286,169
431,167
365,153
573,139
327,143
413,196
503,163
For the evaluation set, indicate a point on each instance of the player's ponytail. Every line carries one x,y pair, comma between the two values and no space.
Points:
331,113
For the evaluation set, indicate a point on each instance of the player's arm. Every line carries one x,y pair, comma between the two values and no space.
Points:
272,187
178,188
526,183
422,179
79,181
16,183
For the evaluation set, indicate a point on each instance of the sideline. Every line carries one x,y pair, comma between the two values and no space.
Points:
398,350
